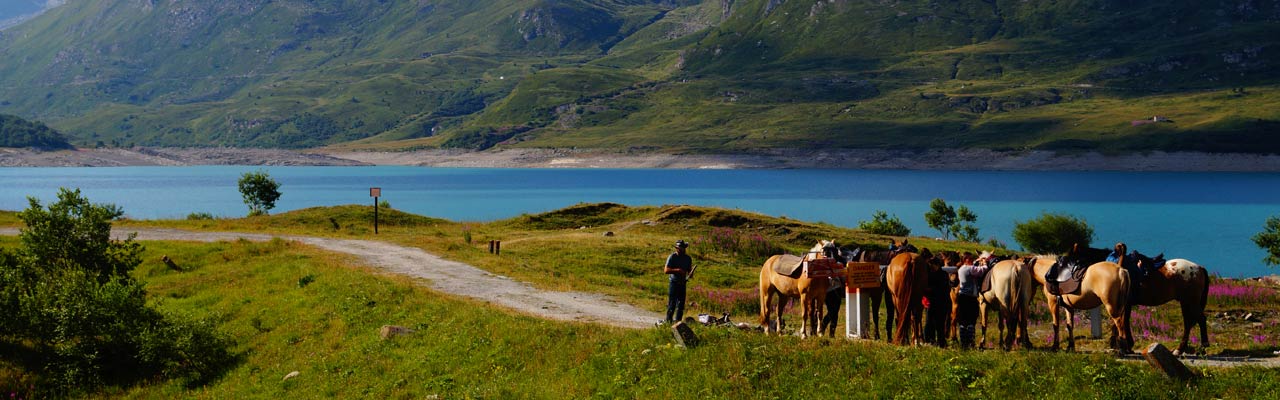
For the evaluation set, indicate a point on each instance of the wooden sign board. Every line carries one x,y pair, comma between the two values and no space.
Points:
862,275
823,268
375,192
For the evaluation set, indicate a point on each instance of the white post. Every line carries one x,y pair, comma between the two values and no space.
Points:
1095,322
855,315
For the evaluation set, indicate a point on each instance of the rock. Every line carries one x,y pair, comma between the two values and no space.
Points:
291,375
608,234
1162,360
684,334
1252,318
169,263
390,331
582,227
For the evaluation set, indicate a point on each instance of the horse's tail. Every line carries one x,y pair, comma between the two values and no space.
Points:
1017,303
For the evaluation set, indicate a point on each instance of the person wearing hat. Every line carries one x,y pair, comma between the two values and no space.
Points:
679,266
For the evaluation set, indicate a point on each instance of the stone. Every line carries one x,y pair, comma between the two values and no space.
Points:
390,331
684,335
1162,360
169,263
291,375
608,234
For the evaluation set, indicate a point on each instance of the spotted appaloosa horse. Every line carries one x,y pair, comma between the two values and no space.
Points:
1182,280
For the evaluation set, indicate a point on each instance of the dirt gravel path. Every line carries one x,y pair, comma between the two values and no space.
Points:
442,275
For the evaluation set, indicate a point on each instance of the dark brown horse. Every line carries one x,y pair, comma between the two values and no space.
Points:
907,280
876,294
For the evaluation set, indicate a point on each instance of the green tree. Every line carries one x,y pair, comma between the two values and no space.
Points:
882,224
1052,233
964,228
260,192
1269,240
940,216
68,304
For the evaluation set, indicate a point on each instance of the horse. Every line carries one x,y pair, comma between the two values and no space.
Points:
907,280
1105,284
1011,291
811,292
1182,280
878,293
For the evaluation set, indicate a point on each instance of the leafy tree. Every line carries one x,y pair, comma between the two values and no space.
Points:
964,228
68,304
940,216
952,222
1052,233
1269,240
260,192
882,224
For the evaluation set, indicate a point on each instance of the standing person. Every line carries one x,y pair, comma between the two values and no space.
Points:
939,300
893,246
679,266
967,300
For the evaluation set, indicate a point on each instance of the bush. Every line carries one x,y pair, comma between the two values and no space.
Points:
66,294
199,216
260,192
882,224
1052,233
1269,241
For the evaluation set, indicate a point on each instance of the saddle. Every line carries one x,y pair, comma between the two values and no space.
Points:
788,265
1064,277
986,279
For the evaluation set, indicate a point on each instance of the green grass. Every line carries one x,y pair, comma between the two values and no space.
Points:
327,331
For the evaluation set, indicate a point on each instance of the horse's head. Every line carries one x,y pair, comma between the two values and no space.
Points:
823,249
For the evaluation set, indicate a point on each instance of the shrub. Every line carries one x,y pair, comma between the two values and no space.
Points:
1269,241
199,216
260,192
67,295
1052,233
882,224
950,221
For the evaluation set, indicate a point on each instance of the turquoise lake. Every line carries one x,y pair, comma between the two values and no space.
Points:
1208,218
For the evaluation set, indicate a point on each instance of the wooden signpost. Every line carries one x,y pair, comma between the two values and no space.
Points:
857,315
375,192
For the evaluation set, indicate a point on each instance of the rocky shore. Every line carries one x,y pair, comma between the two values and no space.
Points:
967,159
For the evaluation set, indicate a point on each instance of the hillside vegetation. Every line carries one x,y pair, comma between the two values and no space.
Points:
18,132
716,75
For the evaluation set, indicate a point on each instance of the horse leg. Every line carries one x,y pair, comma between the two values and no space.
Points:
875,314
766,300
1118,329
982,320
1187,324
1070,322
890,312
1053,316
806,315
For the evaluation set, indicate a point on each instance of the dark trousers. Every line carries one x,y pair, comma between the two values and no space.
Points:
935,327
833,311
675,300
966,318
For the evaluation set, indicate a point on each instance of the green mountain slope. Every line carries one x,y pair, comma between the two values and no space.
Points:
714,75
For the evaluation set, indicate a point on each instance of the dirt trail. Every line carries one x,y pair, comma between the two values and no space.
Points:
443,275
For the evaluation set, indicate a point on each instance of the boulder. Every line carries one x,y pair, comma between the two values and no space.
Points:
291,375
684,334
390,331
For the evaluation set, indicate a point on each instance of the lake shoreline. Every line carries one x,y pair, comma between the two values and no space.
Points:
869,159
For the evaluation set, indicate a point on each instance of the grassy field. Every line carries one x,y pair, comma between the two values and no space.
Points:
292,308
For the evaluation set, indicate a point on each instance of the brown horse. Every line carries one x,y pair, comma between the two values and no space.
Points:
1184,281
876,294
908,279
811,292
1105,284
1011,291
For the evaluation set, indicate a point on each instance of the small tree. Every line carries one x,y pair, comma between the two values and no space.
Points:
964,228
1052,233
941,217
1269,240
260,192
882,224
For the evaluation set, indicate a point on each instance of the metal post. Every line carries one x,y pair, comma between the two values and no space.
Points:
375,215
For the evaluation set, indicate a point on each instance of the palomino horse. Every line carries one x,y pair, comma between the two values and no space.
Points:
1105,284
811,292
908,279
1011,291
1184,281
878,293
